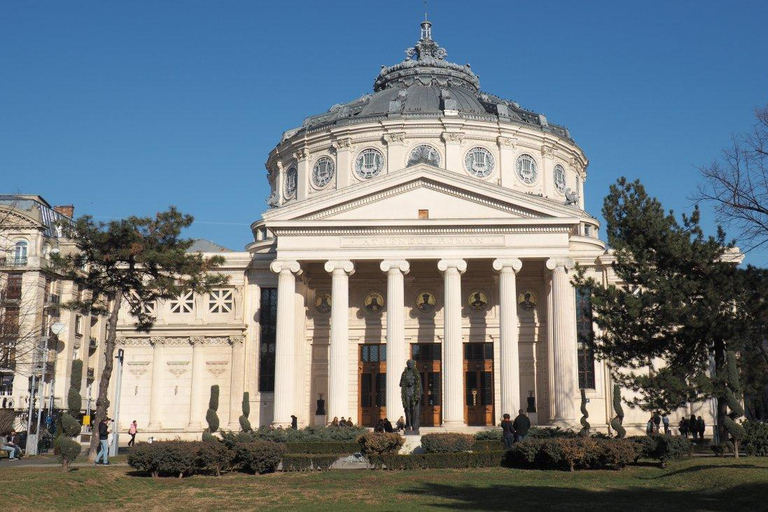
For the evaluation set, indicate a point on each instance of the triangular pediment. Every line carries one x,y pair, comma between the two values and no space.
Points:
401,195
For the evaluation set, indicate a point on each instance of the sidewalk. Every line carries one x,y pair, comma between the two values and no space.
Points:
46,461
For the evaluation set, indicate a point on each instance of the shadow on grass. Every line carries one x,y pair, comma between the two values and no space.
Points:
509,497
704,467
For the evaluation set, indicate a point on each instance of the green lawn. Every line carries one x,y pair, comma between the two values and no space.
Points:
696,484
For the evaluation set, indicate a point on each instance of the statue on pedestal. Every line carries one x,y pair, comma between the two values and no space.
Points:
410,391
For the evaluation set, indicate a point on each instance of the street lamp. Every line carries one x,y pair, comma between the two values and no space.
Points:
56,329
116,430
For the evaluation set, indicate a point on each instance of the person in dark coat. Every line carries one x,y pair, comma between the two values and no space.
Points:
507,432
656,422
700,427
103,457
521,426
388,426
684,427
692,426
379,426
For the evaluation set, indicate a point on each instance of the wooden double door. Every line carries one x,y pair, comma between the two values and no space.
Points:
429,363
372,382
478,384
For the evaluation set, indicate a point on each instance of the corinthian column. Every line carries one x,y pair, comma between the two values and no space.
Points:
508,325
155,398
338,367
284,344
396,353
562,316
453,360
196,399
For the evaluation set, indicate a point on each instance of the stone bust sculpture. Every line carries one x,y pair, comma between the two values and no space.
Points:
410,391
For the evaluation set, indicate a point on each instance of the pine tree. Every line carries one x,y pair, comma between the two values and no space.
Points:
139,260
674,309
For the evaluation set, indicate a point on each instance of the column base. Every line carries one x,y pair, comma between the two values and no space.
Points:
154,427
454,424
565,423
195,426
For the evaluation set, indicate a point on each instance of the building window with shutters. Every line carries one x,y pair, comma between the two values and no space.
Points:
585,338
268,339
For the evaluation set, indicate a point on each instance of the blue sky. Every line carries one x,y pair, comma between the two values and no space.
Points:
127,107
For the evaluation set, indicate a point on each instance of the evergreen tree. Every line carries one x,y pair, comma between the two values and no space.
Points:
65,447
245,425
210,415
139,260
733,399
674,311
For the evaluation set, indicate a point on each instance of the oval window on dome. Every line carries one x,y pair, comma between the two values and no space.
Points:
527,170
560,178
322,172
291,182
424,154
369,163
479,162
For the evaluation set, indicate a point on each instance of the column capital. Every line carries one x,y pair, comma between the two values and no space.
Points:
346,266
459,265
278,266
401,265
196,340
565,263
503,265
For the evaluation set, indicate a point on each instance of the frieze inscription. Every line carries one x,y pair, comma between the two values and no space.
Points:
424,241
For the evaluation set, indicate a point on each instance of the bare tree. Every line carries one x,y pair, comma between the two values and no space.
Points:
737,185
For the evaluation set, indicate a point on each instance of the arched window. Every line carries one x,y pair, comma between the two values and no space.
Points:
20,253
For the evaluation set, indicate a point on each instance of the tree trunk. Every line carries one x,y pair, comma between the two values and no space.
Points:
102,402
720,376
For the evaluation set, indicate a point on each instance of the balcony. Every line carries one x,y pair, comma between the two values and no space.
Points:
14,261
8,365
91,373
53,299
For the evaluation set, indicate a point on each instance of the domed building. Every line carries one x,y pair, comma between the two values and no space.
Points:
428,220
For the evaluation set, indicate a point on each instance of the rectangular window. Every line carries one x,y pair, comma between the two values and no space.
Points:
585,338
78,325
10,323
14,286
268,325
185,303
221,301
426,351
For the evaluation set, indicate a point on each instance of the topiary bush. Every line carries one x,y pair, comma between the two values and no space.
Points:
616,423
165,458
584,415
488,435
755,440
245,425
210,415
213,458
447,443
260,457
378,443
66,448
733,400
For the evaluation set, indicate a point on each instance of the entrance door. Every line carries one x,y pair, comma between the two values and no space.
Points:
478,384
428,361
372,382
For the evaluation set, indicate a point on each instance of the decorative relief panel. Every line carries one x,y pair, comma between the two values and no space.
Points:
217,368
177,368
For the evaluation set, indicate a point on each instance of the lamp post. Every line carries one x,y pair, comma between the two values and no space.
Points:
116,430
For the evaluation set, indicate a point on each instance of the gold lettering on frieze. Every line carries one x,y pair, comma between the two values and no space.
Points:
423,241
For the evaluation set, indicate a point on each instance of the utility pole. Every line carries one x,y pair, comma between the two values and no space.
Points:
44,367
118,386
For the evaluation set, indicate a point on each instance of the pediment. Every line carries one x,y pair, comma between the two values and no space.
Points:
400,196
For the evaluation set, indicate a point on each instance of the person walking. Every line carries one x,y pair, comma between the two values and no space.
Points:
649,426
701,427
656,422
132,431
684,427
692,426
521,426
507,432
665,422
103,457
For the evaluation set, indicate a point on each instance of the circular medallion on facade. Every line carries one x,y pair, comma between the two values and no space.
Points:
527,171
424,154
527,300
478,300
323,302
322,172
479,162
425,301
291,182
560,178
369,163
374,302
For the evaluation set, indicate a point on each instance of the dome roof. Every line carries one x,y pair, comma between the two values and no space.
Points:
427,85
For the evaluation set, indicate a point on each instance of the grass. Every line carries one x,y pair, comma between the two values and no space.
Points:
696,484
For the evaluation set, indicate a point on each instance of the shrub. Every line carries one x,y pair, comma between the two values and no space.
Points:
662,447
66,449
309,462
306,434
177,458
260,456
438,460
70,426
488,435
756,438
322,447
447,443
617,453
377,443
550,432
213,458
571,453
488,446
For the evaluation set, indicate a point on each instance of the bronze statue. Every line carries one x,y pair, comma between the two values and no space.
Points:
410,391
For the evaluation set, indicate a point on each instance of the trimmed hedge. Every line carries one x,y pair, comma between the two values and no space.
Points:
662,447
309,462
322,447
307,434
437,460
447,443
260,457
488,446
164,458
213,458
571,453
378,443
489,435
755,441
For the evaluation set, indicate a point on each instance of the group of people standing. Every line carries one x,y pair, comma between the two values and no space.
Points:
693,426
342,422
514,431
